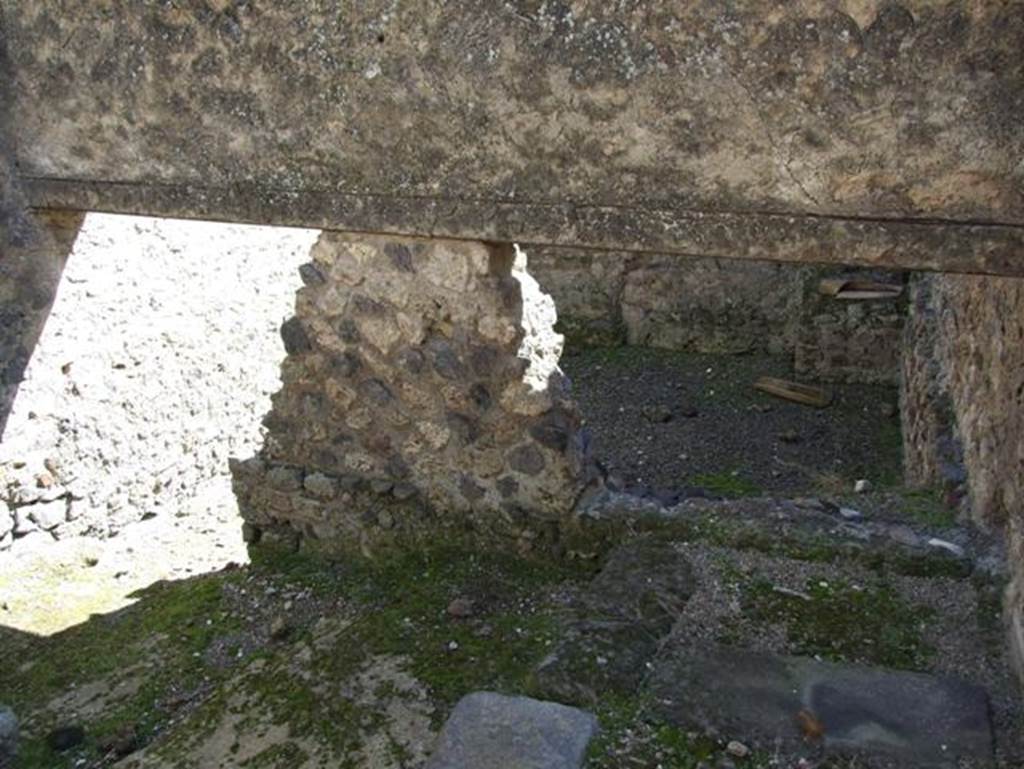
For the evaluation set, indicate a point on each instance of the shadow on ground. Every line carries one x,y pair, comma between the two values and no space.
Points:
298,661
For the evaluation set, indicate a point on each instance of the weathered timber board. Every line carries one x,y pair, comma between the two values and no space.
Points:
825,130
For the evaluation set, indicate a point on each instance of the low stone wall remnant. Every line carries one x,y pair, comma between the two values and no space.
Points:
724,306
421,392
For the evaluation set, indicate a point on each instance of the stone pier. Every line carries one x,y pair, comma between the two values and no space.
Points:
33,251
421,394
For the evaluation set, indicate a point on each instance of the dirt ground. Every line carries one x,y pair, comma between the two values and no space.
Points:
668,420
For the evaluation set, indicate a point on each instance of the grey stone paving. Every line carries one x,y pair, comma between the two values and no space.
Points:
499,732
918,719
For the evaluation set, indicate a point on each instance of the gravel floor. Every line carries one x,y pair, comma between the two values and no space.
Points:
669,420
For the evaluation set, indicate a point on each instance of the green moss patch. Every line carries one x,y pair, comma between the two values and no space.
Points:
727,484
842,622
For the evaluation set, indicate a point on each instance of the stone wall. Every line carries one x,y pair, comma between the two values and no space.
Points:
849,341
724,306
421,393
156,363
963,406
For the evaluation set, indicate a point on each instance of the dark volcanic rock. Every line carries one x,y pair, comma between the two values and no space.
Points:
919,719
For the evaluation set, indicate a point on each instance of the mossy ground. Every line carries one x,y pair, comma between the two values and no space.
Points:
207,677
192,672
844,622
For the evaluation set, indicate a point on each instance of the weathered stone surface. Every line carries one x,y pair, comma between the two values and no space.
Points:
711,305
8,735
921,720
963,407
507,122
619,622
33,250
646,581
594,657
464,407
500,732
724,306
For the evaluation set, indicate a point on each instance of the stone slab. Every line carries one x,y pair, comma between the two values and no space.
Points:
919,719
595,657
645,580
8,736
772,133
621,618
500,732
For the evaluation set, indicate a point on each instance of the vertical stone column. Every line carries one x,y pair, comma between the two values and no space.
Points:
932,452
421,398
33,251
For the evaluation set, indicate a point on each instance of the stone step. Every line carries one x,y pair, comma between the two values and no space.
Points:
498,732
804,529
618,623
805,706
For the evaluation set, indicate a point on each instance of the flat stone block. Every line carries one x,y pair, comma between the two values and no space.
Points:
594,657
644,580
921,720
500,732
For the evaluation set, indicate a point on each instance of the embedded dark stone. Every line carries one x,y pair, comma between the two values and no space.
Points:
251,534
470,489
376,391
411,360
508,487
294,336
379,444
526,460
347,330
397,467
553,430
890,27
346,365
445,361
366,306
311,275
465,428
483,361
400,256
481,396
